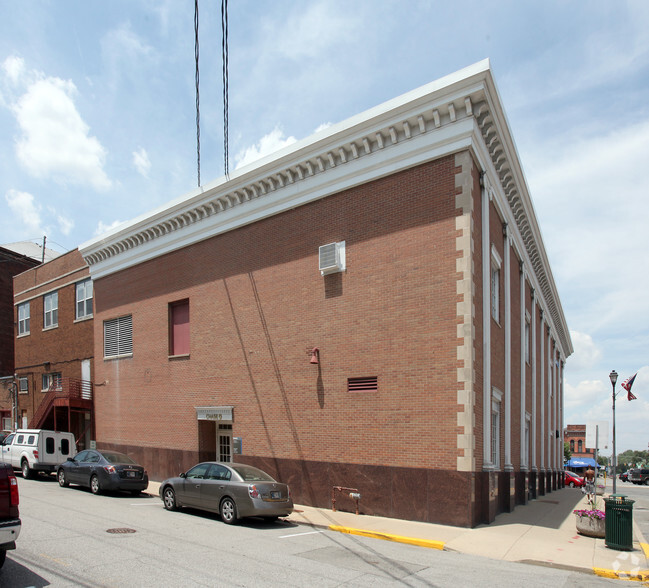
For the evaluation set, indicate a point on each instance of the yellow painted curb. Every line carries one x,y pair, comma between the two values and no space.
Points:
640,576
645,549
430,543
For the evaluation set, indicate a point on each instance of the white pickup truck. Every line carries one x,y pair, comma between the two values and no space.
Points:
37,450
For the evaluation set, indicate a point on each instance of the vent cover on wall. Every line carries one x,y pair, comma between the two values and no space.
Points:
331,258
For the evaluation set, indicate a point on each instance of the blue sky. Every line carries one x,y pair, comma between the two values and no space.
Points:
97,120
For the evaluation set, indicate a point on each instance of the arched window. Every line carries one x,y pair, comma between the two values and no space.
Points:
572,445
579,448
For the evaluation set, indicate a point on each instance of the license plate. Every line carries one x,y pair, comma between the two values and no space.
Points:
131,474
276,495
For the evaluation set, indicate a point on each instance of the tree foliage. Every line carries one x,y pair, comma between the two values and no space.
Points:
632,459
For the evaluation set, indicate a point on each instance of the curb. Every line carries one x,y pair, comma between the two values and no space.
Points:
429,543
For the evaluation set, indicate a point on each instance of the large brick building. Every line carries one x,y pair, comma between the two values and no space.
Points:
54,346
371,307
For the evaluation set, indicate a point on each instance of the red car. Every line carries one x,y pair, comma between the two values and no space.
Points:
573,480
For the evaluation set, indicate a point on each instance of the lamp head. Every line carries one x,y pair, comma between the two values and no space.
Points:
613,376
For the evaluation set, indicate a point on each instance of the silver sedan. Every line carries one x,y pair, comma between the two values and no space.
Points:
232,490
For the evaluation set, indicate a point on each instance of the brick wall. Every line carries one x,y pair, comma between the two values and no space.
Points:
258,303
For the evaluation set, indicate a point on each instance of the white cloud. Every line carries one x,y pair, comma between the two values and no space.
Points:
104,228
27,211
55,142
586,354
268,144
142,162
322,127
65,224
14,68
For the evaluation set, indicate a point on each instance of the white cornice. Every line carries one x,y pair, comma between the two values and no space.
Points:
460,111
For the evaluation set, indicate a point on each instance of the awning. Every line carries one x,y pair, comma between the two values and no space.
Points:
582,462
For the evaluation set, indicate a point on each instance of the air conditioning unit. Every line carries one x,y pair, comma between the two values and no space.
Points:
331,258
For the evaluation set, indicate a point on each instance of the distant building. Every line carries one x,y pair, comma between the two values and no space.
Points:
54,307
575,436
371,307
12,263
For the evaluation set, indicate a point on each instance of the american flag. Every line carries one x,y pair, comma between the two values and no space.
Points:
627,386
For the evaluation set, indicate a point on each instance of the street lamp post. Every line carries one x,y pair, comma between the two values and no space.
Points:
613,377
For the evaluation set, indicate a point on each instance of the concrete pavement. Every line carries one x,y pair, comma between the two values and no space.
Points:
543,532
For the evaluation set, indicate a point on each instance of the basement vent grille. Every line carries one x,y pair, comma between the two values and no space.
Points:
370,384
331,258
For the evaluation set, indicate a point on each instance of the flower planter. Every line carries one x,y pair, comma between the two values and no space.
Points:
591,527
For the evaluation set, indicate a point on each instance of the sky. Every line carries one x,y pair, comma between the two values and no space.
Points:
98,126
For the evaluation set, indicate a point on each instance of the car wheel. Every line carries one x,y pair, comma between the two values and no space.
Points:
61,478
228,511
646,482
24,466
3,556
169,499
94,485
572,484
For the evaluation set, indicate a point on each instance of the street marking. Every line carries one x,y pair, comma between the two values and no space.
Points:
300,534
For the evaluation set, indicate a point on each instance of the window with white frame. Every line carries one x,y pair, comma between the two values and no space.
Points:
51,381
496,399
496,263
23,319
118,336
84,299
50,310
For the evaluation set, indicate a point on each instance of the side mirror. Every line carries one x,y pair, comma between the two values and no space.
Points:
70,459
183,475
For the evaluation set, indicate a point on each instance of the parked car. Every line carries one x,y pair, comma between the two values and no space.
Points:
103,470
36,450
10,523
573,480
233,490
639,476
624,476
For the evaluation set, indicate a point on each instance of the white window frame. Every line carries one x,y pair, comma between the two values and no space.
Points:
51,310
118,337
23,318
83,298
496,264
49,379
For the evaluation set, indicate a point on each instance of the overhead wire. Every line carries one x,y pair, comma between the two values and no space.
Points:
224,59
198,101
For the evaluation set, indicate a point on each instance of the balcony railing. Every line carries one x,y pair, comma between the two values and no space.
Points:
68,389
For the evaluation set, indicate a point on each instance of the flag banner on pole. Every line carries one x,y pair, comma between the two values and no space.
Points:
627,386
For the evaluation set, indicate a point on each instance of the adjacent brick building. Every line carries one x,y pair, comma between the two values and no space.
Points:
371,307
575,436
54,346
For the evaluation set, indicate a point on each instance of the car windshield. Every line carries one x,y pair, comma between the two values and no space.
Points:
250,474
116,457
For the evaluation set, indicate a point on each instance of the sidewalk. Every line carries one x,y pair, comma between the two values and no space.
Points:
542,532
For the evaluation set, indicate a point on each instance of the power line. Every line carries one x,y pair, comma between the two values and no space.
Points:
198,101
224,56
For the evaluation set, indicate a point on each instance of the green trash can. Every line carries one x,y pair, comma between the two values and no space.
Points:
618,522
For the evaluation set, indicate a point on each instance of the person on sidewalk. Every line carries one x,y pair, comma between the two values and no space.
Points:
589,475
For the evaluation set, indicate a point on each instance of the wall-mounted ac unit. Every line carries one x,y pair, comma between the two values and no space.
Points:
331,258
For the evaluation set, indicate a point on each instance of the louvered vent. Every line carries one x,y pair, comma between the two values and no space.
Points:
370,384
331,258
118,336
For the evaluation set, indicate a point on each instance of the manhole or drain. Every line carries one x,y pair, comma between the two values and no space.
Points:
120,531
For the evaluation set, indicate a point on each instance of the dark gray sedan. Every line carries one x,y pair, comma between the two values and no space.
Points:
233,490
103,470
